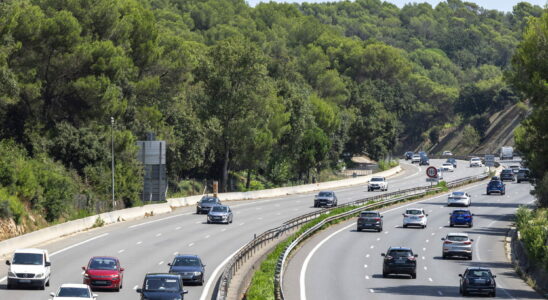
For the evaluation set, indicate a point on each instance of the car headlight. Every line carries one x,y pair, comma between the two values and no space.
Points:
197,273
115,275
11,274
86,275
39,275
225,216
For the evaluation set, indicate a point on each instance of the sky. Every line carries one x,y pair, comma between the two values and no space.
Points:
502,5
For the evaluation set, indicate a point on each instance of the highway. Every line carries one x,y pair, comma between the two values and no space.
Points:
147,245
341,263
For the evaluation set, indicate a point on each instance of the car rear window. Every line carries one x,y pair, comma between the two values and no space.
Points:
507,171
413,212
457,238
479,273
369,214
400,253
461,213
377,179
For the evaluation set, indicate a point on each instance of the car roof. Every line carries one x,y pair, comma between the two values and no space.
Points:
414,208
377,177
74,285
475,158
187,255
478,268
463,210
31,250
369,211
458,234
171,275
458,193
104,257
220,205
400,248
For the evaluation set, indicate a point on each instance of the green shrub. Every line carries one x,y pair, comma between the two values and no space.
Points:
11,206
533,228
387,164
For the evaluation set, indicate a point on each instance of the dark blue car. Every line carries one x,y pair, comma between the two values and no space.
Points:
496,186
461,217
158,286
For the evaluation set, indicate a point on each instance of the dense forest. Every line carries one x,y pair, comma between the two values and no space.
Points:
271,94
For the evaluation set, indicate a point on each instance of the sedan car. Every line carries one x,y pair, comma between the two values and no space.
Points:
73,291
399,260
496,186
415,159
220,214
461,217
507,174
447,167
475,162
104,273
478,280
415,217
190,267
459,198
369,220
206,203
162,286
457,244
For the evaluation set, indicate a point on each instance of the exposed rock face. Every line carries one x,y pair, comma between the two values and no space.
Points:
9,229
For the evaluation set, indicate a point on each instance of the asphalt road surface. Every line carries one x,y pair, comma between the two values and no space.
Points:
341,263
147,245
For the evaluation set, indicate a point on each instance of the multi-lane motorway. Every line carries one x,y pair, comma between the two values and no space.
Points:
341,263
148,245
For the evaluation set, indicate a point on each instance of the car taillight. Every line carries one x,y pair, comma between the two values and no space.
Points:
468,243
448,242
411,258
421,216
377,219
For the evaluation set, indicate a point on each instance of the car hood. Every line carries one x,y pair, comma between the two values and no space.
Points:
27,268
216,213
180,269
161,295
101,272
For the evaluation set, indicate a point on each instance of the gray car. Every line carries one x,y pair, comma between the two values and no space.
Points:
325,198
220,214
457,244
369,220
206,203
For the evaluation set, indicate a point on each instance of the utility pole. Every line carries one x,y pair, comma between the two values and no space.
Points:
112,166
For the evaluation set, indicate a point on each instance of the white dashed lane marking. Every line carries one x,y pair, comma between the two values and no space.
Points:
139,243
161,263
122,250
191,244
159,234
135,287
430,279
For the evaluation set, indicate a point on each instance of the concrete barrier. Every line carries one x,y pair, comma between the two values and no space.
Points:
49,233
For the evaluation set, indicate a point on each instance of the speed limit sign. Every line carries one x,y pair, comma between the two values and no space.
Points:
432,172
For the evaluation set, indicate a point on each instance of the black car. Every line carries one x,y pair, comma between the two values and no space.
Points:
399,260
523,175
190,267
369,220
507,174
452,161
408,155
478,280
206,203
162,286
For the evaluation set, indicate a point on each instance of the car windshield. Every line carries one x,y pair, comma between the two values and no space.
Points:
161,284
413,212
524,171
102,264
448,164
369,214
219,209
457,238
461,213
209,200
479,273
325,194
187,261
73,292
400,253
507,171
377,179
28,259
475,159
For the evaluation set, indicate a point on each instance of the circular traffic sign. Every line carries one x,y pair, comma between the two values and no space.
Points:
432,172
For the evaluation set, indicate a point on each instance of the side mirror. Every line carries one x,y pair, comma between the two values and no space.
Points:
443,239
383,254
494,276
95,296
139,290
122,269
416,255
471,240
460,275
48,264
52,294
473,214
84,268
382,216
8,263
427,215
169,264
203,266
185,292
403,215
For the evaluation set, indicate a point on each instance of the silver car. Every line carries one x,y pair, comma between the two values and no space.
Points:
219,214
457,244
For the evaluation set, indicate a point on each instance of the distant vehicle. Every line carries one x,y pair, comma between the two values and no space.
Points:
190,267
424,161
496,186
461,217
422,153
206,203
506,152
478,280
447,167
515,169
523,175
104,272
71,291
415,217
415,159
447,153
325,198
440,173
162,286
220,214
408,155
507,174
459,198
457,244
452,161
399,260
30,267
369,220
377,183
475,162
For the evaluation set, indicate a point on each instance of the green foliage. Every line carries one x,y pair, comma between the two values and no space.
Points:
532,227
387,164
470,137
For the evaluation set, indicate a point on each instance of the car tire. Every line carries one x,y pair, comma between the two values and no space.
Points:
208,222
384,274
451,225
470,225
358,229
43,286
494,294
47,282
414,276
380,229
488,193
404,226
470,257
518,181
444,256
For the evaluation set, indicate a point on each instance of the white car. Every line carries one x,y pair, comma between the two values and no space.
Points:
459,198
447,153
377,183
29,267
447,167
73,291
416,158
475,162
415,217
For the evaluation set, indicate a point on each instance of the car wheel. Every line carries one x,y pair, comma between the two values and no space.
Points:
470,225
380,229
488,193
464,293
43,285
494,294
208,222
404,226
460,290
451,224
444,256
414,275
470,257
519,181
358,229
384,274
47,283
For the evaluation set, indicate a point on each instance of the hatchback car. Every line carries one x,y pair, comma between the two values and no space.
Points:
447,167
478,280
459,198
523,175
104,273
461,217
452,161
507,174
399,260
369,220
496,186
457,244
415,217
206,203
72,291
190,267
220,214
162,286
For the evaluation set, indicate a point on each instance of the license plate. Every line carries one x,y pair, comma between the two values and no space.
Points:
400,261
480,281
100,282
24,280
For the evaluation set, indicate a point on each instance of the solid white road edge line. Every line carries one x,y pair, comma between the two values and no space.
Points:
213,276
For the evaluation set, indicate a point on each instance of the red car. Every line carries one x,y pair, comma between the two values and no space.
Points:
104,273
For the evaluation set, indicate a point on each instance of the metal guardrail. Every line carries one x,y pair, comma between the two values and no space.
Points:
259,241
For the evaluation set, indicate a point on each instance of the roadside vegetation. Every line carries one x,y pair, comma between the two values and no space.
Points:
533,228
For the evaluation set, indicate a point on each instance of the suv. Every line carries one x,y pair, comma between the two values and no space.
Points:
452,161
461,217
424,160
369,220
206,203
377,183
325,198
162,286
408,155
399,260
415,217
496,186
522,175
507,174
478,280
29,267
457,244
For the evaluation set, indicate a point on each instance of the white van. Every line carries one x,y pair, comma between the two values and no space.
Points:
30,267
